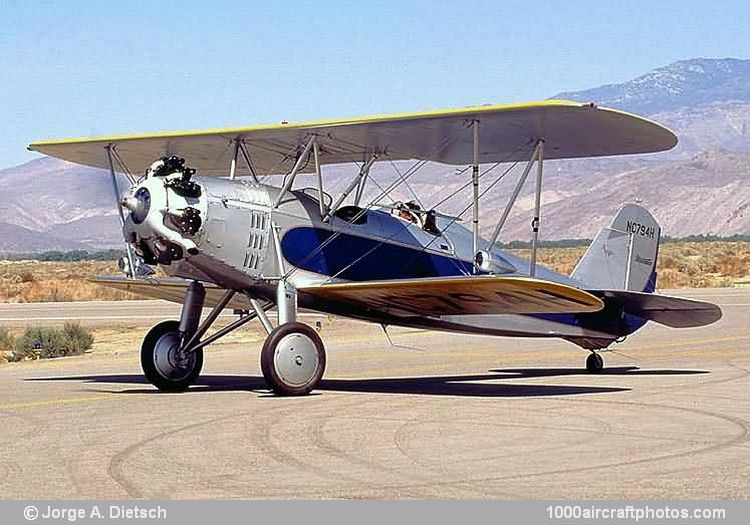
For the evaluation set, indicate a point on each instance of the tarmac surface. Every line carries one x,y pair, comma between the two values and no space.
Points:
95,313
436,416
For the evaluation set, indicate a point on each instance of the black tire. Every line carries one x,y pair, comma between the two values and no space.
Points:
594,363
184,375
273,362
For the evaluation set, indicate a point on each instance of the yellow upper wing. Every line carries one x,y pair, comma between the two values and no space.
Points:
507,133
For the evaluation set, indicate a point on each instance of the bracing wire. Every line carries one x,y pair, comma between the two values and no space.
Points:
454,219
408,186
423,249
392,186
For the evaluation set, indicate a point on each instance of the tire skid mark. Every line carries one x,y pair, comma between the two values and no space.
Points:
264,438
738,423
567,430
551,472
10,468
119,460
421,489
318,433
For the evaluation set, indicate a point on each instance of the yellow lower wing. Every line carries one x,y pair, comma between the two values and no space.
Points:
460,295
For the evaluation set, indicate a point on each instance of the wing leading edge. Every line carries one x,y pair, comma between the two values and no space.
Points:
170,289
508,133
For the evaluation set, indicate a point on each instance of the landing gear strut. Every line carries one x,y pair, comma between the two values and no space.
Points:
165,359
594,363
293,357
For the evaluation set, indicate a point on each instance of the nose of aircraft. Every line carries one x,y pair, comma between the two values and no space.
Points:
166,210
139,204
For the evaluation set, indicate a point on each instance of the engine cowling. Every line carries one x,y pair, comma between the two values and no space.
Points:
167,210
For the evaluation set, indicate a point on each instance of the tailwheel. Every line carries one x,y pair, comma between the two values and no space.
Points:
164,363
293,359
594,363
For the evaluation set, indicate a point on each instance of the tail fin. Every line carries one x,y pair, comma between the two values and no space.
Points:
623,256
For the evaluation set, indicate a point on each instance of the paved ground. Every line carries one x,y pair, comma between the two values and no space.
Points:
440,416
92,313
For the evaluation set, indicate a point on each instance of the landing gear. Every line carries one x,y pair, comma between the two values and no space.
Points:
293,359
594,363
165,363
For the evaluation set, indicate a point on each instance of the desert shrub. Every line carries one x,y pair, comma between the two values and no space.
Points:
42,342
7,341
79,339
38,342
27,277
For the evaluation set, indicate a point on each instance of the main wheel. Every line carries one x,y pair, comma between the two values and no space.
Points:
594,363
293,359
164,363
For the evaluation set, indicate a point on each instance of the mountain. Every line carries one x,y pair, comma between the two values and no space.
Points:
705,101
708,194
701,186
681,84
17,239
57,205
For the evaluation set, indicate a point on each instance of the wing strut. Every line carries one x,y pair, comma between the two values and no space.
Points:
538,157
318,176
357,182
293,174
513,197
475,185
248,160
233,163
537,205
116,189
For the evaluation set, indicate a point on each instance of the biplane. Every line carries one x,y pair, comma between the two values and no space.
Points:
205,208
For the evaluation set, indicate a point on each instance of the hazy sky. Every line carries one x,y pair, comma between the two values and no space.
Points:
81,68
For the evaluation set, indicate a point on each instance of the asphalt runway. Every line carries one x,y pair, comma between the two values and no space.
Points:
437,416
95,313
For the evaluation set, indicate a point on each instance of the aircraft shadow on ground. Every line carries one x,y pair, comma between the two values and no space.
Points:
473,385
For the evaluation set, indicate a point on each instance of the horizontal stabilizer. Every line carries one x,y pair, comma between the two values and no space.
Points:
460,295
675,312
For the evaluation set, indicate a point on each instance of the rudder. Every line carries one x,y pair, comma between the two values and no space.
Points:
622,256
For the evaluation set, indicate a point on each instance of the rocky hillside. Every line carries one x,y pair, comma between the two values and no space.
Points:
682,84
703,186
708,194
48,204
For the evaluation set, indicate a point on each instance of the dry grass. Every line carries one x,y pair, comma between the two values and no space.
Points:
681,265
35,281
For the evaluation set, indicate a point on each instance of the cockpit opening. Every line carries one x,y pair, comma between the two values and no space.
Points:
413,213
351,214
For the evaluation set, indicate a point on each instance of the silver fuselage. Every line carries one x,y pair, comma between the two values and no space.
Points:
245,243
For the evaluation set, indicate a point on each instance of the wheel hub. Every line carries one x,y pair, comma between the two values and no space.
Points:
296,359
169,359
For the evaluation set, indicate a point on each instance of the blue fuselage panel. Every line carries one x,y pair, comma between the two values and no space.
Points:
357,258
